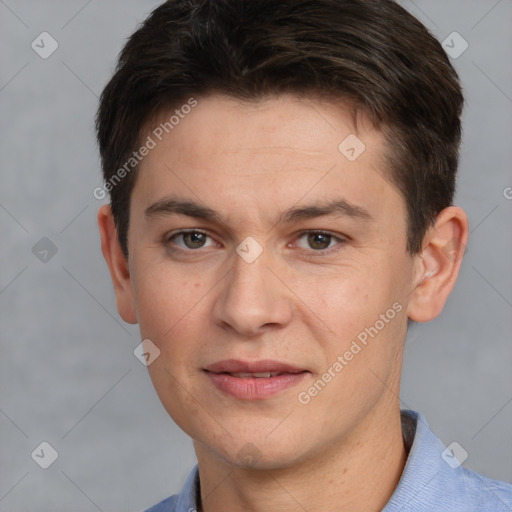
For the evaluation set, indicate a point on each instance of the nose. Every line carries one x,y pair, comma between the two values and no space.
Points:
252,299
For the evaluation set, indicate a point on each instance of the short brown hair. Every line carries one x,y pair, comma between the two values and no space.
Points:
370,53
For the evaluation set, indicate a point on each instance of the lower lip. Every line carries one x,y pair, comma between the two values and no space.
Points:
254,388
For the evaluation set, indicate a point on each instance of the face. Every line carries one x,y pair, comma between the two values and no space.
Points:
256,241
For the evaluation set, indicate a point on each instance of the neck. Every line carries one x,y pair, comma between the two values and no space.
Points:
360,472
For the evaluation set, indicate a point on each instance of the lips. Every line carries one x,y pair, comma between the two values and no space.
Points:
263,366
253,380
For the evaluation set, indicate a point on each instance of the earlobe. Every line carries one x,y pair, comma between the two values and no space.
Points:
117,264
438,264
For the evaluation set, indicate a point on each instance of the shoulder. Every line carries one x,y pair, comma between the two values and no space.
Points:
167,505
185,501
435,481
485,492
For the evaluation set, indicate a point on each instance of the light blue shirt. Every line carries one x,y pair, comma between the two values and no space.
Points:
432,481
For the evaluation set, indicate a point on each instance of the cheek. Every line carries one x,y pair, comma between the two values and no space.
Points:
357,311
171,314
167,305
343,301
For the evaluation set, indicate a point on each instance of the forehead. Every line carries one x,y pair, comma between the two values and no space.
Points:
226,153
222,123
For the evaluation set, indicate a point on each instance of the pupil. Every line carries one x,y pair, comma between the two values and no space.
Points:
193,240
319,240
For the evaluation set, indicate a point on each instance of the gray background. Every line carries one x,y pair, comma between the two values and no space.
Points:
68,375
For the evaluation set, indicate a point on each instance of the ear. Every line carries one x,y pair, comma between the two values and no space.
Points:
438,264
117,264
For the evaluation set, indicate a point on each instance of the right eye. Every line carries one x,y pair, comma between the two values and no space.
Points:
190,240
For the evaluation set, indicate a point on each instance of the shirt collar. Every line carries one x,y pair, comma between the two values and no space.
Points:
426,478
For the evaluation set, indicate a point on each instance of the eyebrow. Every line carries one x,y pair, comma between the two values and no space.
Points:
191,209
336,207
339,207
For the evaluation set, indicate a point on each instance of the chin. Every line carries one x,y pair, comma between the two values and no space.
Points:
258,453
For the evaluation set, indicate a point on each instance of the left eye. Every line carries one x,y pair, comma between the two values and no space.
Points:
317,241
191,239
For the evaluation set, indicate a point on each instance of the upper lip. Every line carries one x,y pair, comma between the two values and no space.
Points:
263,365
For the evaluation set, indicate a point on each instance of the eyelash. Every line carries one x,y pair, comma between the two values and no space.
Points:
340,241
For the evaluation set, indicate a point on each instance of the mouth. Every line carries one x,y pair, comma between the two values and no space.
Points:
260,375
253,380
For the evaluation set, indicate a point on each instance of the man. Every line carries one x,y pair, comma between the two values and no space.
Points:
281,176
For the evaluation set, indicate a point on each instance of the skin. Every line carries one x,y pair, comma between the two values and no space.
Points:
250,162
